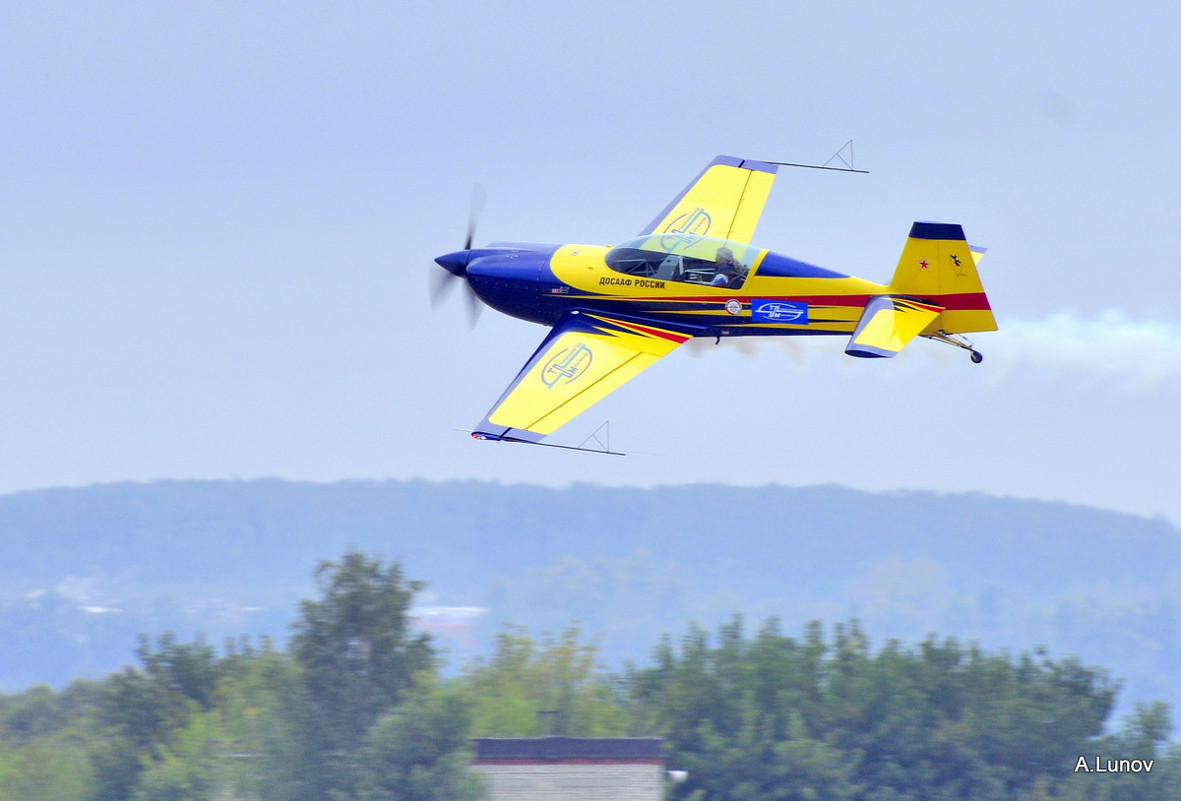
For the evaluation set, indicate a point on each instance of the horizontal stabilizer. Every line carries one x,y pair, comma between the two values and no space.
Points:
887,324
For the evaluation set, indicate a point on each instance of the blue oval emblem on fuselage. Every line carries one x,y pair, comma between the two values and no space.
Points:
779,311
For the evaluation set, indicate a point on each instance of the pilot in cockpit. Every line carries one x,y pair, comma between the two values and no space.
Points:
728,273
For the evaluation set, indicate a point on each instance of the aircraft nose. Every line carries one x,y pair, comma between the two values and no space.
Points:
455,263
516,267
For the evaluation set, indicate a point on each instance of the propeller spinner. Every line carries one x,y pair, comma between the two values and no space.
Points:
456,263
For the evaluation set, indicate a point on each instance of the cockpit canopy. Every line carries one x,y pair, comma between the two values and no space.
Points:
702,260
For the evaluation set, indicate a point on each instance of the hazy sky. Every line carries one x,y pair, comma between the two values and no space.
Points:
217,223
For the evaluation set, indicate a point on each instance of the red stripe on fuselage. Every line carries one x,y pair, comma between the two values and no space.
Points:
963,301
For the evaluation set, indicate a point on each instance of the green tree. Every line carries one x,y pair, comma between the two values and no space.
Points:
1031,718
1144,736
33,712
185,770
420,751
46,768
116,763
255,686
775,718
561,678
293,758
356,659
182,670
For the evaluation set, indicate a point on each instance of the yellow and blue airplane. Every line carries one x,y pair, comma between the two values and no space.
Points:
692,272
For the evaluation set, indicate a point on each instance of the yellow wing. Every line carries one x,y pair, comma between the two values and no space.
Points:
584,358
724,201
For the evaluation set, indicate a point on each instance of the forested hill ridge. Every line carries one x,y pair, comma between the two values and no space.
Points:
83,571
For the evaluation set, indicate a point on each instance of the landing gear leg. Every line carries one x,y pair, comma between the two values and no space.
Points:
960,342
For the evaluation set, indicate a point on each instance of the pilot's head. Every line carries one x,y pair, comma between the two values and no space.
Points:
725,256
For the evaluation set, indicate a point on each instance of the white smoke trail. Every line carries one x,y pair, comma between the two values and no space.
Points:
1111,347
1137,354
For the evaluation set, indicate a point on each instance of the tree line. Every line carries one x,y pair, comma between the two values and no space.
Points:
358,708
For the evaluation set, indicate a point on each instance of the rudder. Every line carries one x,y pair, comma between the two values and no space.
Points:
937,266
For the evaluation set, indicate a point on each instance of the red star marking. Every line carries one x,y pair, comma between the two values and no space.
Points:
923,264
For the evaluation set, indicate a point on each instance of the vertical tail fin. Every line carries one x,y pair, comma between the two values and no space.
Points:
937,266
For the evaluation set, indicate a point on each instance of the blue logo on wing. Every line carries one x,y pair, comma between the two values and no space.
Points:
779,311
566,366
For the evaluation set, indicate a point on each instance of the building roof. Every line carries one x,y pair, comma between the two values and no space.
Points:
546,749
